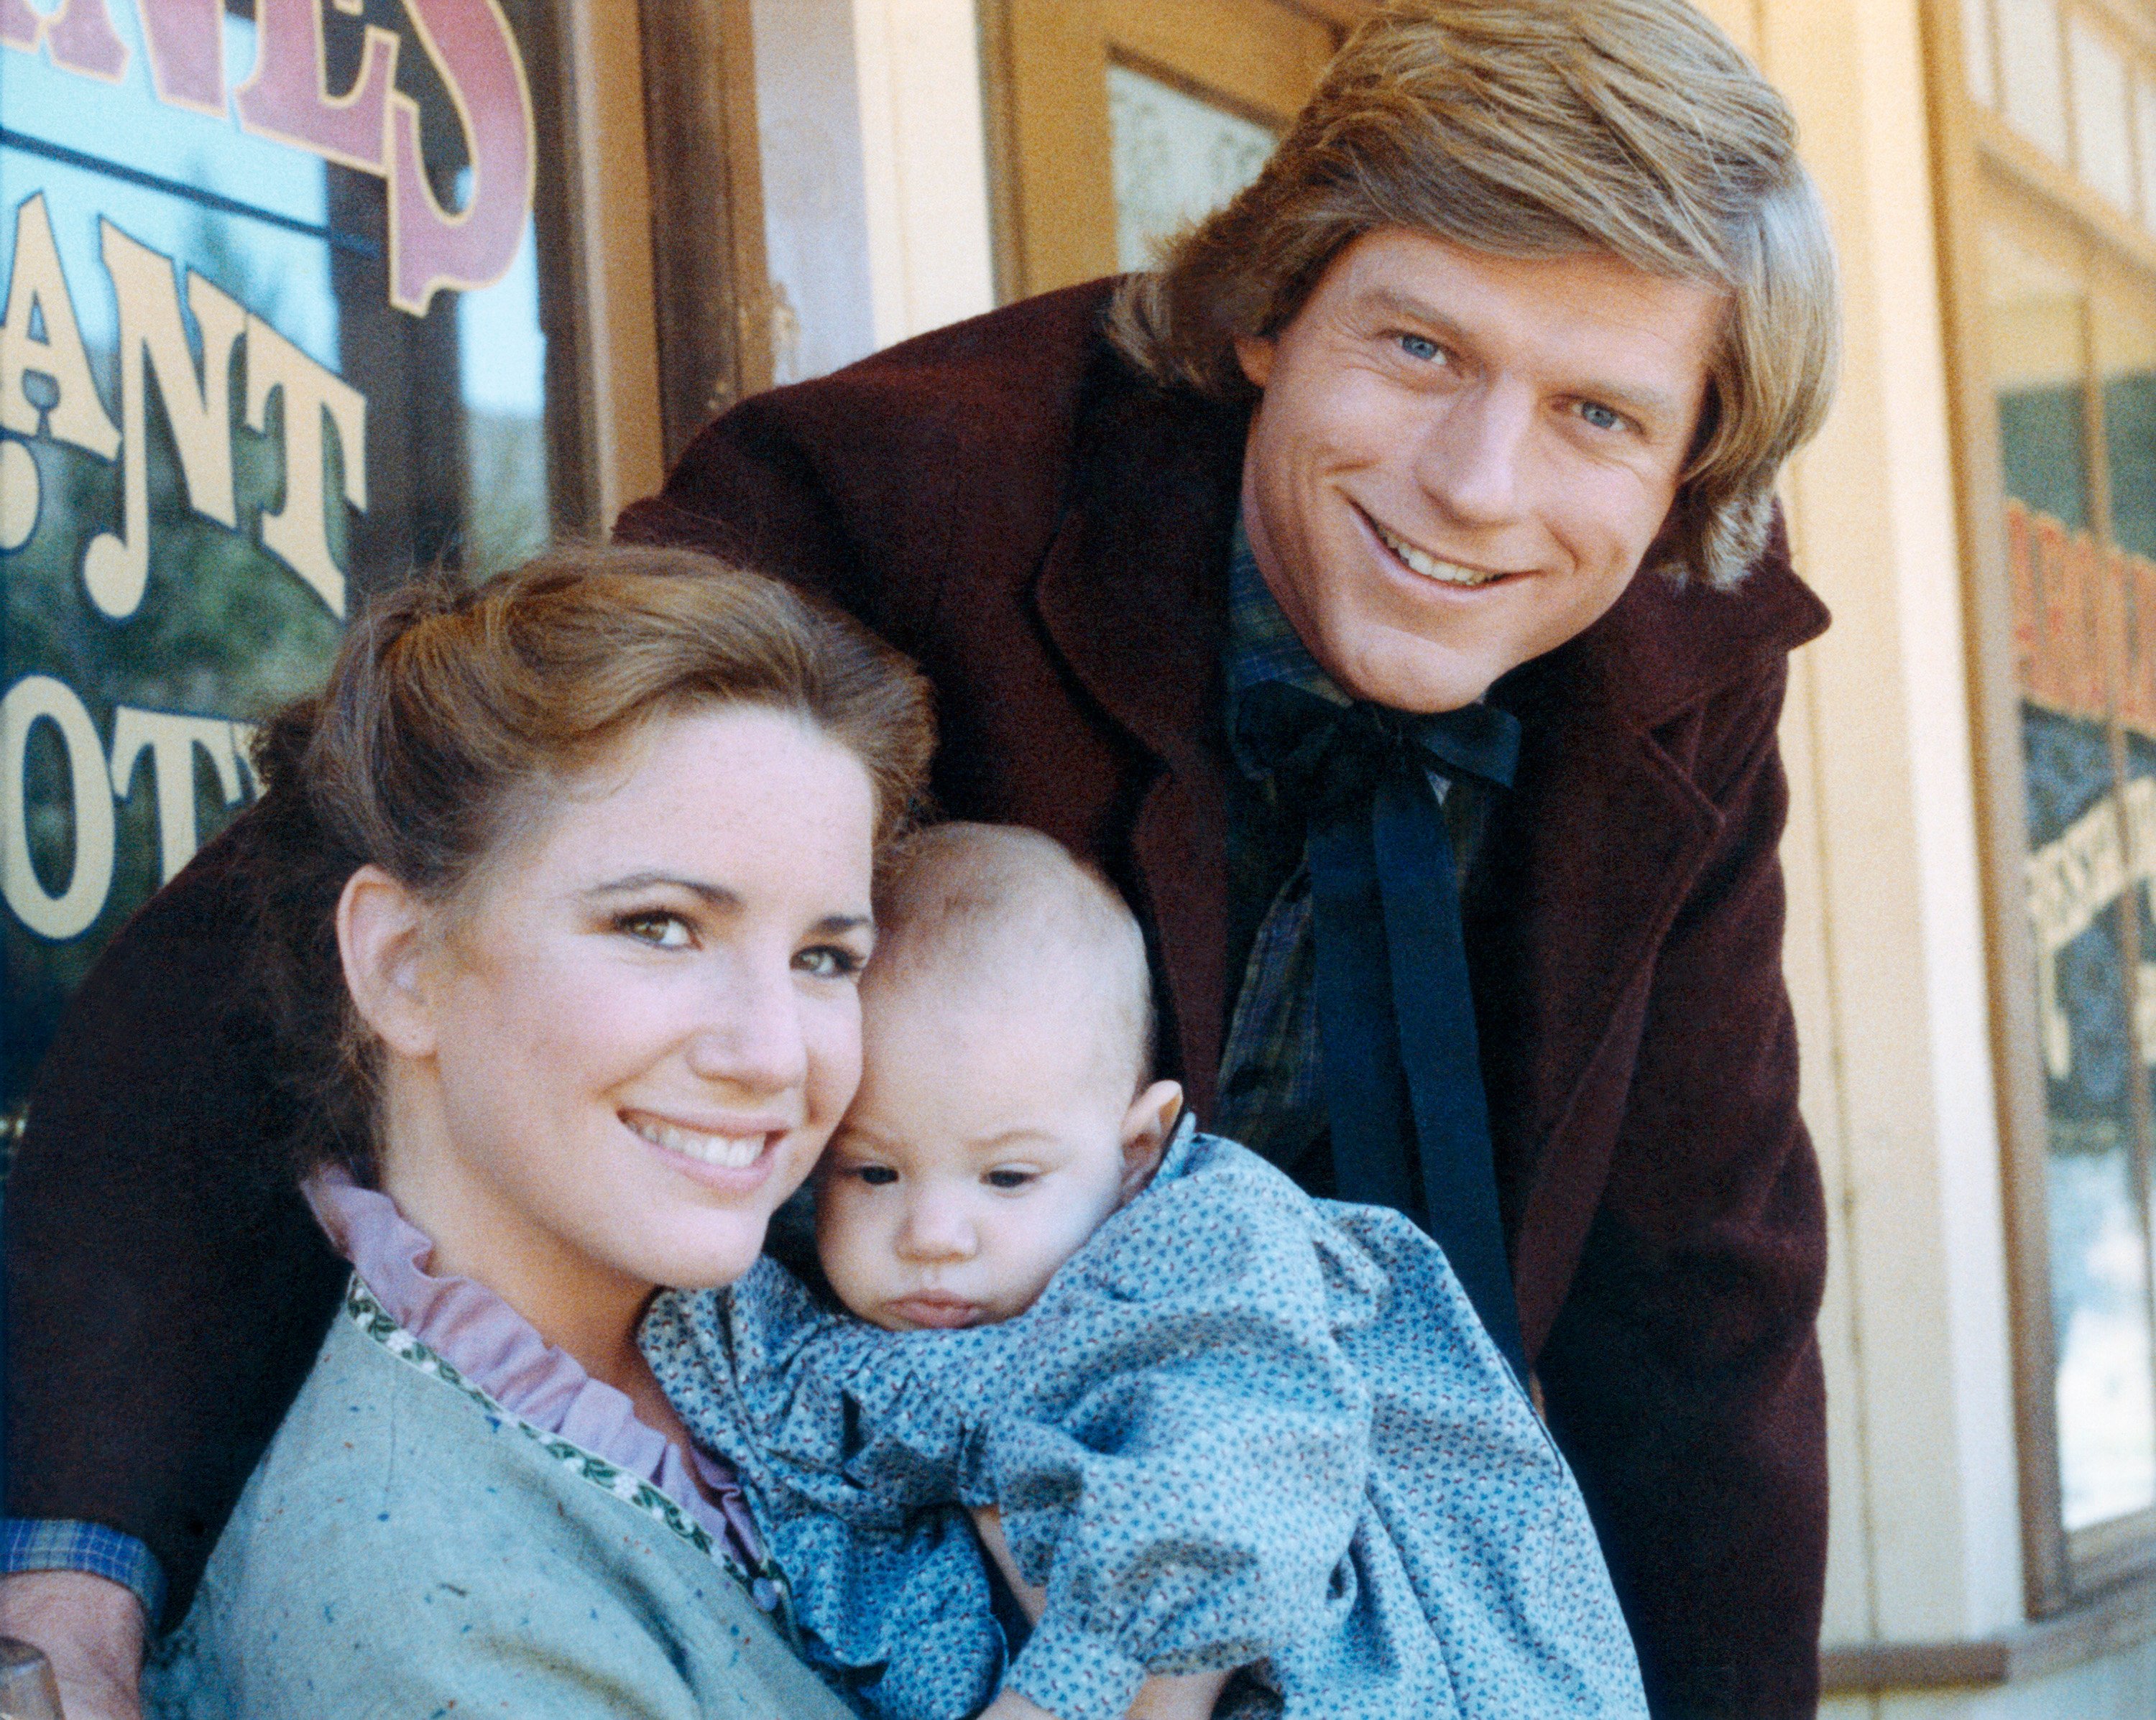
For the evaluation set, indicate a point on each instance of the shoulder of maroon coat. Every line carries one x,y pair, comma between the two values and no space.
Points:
883,440
1665,646
1015,451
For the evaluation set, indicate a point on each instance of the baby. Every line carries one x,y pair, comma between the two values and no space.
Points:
1207,1425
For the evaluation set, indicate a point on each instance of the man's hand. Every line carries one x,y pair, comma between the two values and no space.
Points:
90,1630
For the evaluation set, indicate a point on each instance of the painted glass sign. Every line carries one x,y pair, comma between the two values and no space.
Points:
2075,372
271,336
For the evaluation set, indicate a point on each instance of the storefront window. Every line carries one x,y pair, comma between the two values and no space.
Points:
273,336
2062,118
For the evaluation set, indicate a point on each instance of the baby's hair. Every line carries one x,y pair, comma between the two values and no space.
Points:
965,904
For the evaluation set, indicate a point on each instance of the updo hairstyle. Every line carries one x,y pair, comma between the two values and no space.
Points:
455,713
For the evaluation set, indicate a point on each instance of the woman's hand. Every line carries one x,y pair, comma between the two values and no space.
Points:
90,1630
1189,1696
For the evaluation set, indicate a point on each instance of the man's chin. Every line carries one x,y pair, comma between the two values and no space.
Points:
1422,679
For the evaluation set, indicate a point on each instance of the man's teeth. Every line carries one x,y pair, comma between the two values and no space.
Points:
730,1152
1429,568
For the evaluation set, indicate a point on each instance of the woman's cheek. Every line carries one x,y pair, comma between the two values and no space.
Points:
833,1030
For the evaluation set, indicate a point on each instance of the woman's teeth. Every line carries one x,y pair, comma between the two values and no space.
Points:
729,1152
1429,568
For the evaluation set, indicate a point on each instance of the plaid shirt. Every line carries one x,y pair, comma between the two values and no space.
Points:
1270,1099
27,1544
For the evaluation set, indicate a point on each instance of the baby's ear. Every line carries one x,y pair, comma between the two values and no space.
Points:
1147,1126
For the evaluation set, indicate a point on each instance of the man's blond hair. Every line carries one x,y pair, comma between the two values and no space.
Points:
1542,128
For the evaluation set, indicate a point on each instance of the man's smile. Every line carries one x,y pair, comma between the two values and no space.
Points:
1420,562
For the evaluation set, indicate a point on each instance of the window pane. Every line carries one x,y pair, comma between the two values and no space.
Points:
2073,615
238,397
2035,88
2103,141
1177,157
1976,51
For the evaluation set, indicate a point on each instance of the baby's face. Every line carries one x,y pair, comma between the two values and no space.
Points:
989,1141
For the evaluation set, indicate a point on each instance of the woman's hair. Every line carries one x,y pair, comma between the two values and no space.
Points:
1538,128
453,712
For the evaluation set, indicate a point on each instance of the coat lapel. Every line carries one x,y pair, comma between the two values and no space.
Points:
1132,595
1587,864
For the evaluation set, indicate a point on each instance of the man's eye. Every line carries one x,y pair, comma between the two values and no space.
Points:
1420,346
1602,418
877,1176
1009,1178
828,961
655,927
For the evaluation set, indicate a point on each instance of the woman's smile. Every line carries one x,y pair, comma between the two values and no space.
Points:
734,1145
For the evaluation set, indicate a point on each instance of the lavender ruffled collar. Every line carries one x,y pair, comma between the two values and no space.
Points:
499,1351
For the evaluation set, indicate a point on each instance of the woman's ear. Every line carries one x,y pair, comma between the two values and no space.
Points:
1147,1126
380,928
1254,354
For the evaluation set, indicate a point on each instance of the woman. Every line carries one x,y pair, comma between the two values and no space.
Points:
564,885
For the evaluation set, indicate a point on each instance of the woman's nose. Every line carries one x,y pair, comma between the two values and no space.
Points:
936,1228
750,1034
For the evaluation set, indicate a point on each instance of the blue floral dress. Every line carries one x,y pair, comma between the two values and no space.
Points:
1241,1428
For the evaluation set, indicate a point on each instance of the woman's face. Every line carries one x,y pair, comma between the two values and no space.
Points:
636,1035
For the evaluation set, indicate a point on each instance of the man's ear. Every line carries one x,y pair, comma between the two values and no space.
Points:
1254,354
1147,1126
382,941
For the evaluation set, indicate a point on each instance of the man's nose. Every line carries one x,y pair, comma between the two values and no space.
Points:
750,1034
1471,463
936,1228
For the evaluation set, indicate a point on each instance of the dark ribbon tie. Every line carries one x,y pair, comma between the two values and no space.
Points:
1402,1075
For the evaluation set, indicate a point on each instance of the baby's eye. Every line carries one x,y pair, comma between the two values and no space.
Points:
877,1176
1009,1178
656,927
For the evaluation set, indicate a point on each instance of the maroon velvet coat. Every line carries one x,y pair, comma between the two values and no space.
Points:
1048,536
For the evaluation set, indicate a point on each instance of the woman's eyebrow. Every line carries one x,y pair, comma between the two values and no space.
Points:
717,895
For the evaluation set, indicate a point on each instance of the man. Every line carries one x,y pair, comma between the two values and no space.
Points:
1473,405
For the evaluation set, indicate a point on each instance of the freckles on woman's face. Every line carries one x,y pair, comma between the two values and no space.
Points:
650,1023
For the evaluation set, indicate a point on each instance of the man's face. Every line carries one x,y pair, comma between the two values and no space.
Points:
1460,459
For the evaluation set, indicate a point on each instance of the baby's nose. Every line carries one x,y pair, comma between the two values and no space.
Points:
936,1230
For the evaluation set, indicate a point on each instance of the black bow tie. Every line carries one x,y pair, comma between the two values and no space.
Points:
1402,1073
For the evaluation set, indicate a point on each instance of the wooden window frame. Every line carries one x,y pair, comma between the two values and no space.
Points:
1052,199
2061,1569
711,285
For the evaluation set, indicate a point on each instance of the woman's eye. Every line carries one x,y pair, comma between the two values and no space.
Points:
828,961
1420,346
1602,418
659,929
877,1176
1008,1180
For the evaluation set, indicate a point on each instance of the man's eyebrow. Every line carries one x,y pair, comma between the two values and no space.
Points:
1643,403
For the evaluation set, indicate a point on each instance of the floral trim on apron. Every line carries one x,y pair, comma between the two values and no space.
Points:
764,1583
